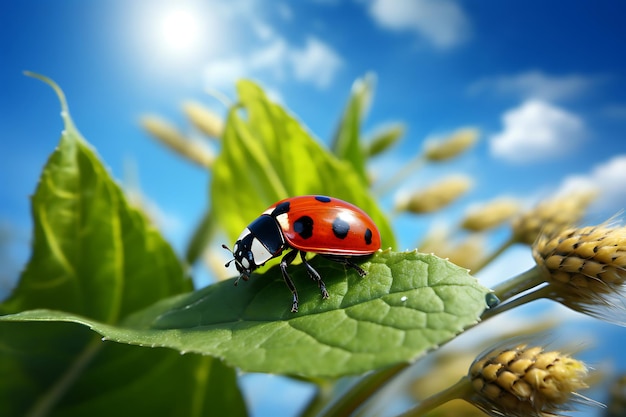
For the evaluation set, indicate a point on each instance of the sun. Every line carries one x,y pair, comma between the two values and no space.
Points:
175,37
179,32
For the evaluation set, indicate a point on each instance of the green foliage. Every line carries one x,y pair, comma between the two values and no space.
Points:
408,303
100,273
92,253
347,143
269,156
96,256
62,369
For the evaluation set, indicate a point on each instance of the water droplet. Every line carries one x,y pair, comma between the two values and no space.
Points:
404,298
492,300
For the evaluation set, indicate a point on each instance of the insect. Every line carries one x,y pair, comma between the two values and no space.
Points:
324,225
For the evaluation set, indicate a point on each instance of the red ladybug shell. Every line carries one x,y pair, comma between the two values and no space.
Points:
326,225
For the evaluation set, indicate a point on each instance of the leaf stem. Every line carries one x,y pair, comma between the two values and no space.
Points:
542,292
362,391
518,284
461,390
65,113
323,394
45,404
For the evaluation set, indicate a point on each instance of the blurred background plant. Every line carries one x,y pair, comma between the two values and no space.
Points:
583,268
466,245
432,191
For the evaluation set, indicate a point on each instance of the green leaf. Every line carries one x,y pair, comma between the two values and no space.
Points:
270,156
201,237
38,360
407,304
96,256
93,254
347,143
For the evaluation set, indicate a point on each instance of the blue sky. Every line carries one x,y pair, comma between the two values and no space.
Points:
544,82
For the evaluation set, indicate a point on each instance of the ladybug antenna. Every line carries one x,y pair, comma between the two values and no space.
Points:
239,266
227,264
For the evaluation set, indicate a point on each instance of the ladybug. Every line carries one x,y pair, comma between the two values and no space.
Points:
324,225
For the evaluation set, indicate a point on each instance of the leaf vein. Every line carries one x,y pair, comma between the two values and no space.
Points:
54,244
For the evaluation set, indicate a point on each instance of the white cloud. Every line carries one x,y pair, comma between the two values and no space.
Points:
260,50
537,130
273,58
316,63
606,178
536,84
222,74
261,29
442,22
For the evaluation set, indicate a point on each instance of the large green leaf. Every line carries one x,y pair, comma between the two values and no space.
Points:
62,369
406,304
96,256
92,253
270,156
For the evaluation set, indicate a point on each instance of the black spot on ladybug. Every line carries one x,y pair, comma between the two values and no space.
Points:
340,228
322,199
304,227
282,208
368,237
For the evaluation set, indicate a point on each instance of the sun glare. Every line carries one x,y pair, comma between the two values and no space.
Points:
175,37
180,32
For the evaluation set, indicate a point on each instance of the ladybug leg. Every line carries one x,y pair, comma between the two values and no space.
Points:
288,259
315,276
347,262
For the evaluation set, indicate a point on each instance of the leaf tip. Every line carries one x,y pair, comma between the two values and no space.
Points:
65,114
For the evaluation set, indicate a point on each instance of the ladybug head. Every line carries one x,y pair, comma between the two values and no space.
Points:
261,241
243,258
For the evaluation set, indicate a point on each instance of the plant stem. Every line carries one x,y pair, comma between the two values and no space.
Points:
44,405
461,390
399,176
487,260
516,302
518,284
201,237
322,397
362,391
